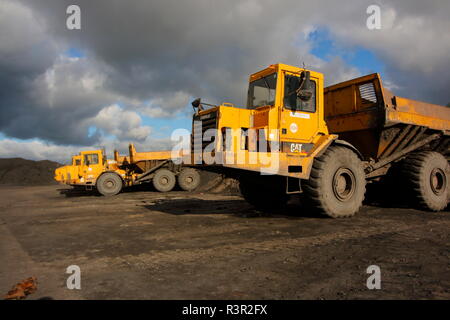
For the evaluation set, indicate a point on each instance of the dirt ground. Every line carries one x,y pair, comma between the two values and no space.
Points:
149,245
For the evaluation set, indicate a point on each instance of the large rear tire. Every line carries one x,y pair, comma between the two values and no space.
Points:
109,184
188,179
164,180
428,176
337,183
265,193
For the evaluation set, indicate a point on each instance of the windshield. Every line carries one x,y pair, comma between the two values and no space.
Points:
76,161
90,159
261,92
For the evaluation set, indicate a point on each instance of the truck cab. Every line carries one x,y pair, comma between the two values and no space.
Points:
278,130
85,168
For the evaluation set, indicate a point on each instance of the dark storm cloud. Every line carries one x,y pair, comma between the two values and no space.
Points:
151,56
203,47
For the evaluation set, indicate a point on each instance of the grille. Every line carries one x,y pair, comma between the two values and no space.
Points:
201,124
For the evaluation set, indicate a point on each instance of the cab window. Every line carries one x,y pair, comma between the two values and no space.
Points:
292,101
77,162
90,159
261,92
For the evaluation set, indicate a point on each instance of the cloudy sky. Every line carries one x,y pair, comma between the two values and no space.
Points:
131,71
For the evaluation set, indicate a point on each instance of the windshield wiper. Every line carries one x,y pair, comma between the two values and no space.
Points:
267,83
268,88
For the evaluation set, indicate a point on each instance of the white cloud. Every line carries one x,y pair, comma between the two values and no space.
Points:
123,124
36,150
40,150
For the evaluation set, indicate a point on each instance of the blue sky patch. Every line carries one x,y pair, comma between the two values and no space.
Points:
92,130
326,48
163,127
75,53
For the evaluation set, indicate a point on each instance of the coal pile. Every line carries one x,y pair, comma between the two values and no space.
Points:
18,171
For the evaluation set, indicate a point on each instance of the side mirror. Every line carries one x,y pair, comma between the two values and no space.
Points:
304,91
196,103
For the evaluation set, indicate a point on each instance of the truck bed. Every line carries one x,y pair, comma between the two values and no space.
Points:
372,118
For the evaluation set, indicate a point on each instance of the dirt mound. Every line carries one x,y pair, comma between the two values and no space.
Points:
217,183
18,171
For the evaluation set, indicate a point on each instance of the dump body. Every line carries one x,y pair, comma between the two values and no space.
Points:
140,162
139,166
378,123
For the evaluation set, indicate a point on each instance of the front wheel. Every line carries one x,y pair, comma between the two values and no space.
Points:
337,183
109,184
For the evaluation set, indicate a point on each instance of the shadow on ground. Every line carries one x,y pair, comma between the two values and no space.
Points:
78,192
82,192
238,208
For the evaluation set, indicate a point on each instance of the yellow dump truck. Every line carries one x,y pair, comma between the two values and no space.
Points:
91,169
295,136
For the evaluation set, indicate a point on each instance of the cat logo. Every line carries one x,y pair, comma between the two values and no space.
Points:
296,147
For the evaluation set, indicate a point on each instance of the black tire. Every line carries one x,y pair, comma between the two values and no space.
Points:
337,183
164,180
188,179
109,184
265,193
428,176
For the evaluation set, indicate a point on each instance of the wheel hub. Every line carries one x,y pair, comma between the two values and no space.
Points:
344,184
109,184
438,181
164,180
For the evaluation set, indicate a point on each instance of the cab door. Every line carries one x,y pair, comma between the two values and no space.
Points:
299,119
92,166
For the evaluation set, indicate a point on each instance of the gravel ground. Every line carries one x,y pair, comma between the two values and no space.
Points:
149,245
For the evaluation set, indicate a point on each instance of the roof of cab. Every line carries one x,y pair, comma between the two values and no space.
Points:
282,66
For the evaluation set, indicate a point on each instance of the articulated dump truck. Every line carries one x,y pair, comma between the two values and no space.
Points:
325,143
91,169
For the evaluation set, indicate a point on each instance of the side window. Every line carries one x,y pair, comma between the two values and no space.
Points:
292,101
77,162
